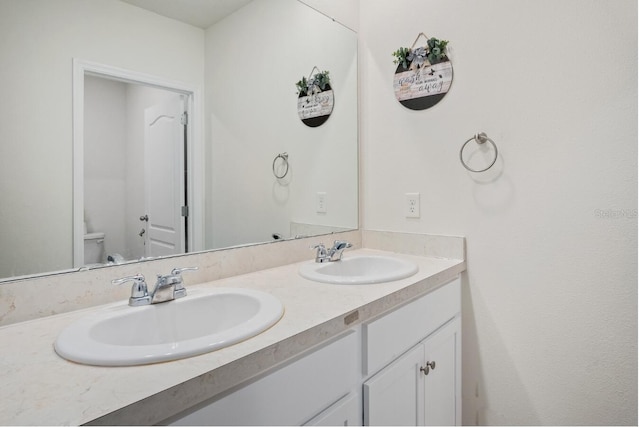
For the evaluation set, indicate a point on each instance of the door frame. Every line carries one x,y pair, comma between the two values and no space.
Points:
195,152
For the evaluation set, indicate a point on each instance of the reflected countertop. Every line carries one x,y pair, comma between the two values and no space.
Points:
41,388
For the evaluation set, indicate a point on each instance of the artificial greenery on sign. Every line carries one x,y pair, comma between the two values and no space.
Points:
435,51
315,84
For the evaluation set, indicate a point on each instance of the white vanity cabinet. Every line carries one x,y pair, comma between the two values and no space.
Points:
422,387
413,355
289,395
374,373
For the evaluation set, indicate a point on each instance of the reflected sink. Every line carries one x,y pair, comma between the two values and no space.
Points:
203,321
359,270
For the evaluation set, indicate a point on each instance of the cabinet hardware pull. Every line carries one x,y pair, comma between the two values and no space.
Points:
429,365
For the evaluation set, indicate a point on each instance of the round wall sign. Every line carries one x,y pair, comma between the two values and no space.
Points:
423,87
315,109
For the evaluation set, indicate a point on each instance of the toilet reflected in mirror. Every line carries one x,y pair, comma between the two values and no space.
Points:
94,248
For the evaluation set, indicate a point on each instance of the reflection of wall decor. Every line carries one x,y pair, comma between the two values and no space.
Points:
315,98
424,74
283,168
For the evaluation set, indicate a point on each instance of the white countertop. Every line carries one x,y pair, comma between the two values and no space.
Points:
40,388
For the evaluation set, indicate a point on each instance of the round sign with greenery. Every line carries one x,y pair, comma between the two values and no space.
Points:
423,75
315,99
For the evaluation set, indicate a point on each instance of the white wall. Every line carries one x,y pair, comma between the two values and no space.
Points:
550,296
253,117
105,165
38,40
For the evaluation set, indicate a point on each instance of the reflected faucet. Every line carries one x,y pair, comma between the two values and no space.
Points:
333,254
167,287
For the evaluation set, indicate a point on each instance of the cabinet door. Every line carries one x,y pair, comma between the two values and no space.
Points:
395,395
442,382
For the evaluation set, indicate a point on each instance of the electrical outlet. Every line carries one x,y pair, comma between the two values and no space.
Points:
321,202
412,205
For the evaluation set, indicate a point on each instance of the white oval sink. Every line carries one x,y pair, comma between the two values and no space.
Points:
203,321
359,270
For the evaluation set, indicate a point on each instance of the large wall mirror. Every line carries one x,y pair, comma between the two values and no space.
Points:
114,159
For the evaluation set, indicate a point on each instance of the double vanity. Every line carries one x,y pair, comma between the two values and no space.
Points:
373,338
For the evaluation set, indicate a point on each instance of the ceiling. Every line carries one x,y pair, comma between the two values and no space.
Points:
199,13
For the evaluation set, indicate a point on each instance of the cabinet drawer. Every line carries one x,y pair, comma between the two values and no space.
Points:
288,396
389,336
345,412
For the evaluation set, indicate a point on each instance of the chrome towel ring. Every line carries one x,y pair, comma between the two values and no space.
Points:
480,138
285,162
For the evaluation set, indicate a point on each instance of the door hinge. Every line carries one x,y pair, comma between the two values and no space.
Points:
185,211
184,118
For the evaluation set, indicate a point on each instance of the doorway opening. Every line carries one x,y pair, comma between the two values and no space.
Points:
135,174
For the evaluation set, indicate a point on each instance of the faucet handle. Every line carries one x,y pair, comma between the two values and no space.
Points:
319,247
177,271
179,291
138,279
321,254
335,253
322,250
139,292
341,245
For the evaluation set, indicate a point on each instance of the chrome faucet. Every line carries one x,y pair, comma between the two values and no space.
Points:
333,254
167,287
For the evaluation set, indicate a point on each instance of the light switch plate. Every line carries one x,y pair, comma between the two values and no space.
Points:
321,202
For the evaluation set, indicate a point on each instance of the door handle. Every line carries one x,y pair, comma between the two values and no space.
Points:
430,365
144,231
144,218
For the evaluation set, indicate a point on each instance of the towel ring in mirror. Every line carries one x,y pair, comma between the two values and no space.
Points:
285,162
